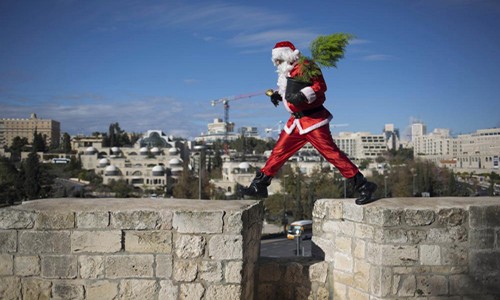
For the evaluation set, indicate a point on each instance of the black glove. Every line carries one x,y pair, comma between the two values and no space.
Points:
296,98
276,98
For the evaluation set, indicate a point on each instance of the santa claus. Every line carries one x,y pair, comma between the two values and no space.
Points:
308,122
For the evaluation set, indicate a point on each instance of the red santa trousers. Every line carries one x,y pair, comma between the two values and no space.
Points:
321,139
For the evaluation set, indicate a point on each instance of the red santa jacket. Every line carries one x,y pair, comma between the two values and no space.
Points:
315,95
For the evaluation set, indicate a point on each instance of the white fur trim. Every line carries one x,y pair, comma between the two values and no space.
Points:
315,126
285,54
309,93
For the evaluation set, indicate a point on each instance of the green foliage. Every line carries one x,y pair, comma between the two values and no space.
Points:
8,178
326,51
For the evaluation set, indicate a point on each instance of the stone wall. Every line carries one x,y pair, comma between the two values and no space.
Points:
129,249
414,248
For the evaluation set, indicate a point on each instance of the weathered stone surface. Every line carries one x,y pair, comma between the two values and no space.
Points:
128,266
185,270
137,220
404,285
210,271
16,219
96,241
27,265
91,266
225,247
55,220
168,290
35,288
293,273
148,241
138,289
39,242
352,212
383,217
10,287
59,266
454,254
234,223
432,285
191,291
343,261
189,246
6,264
163,266
101,290
362,275
482,238
63,290
419,217
430,255
8,241
233,271
198,221
269,272
217,292
484,216
451,216
318,272
339,227
92,220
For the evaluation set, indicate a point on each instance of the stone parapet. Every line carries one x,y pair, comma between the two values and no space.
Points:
411,248
129,249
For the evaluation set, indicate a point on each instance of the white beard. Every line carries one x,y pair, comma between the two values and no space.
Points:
283,71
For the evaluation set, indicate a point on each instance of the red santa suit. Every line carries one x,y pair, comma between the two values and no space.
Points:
308,121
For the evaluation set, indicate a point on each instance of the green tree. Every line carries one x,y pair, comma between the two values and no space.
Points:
39,144
18,145
66,143
8,177
32,173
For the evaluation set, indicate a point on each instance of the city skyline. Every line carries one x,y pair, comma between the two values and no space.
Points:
148,66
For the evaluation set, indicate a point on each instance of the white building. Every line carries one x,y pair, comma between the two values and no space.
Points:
148,165
218,130
477,152
361,145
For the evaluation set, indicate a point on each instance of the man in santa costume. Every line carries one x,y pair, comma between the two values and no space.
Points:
308,122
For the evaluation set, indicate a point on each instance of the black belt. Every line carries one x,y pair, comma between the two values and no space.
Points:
307,112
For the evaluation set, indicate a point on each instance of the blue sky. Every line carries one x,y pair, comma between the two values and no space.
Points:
158,64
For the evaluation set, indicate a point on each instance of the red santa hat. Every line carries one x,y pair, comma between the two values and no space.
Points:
285,51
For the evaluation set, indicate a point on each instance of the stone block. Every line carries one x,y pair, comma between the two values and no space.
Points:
198,221
432,285
39,242
233,271
92,219
191,291
96,241
399,255
364,231
318,272
481,262
10,287
189,246
91,267
16,219
391,235
8,241
185,270
6,264
138,289
361,275
484,216
210,271
482,238
217,292
137,220
59,266
353,212
55,220
359,249
128,266
63,290
339,227
419,217
451,216
404,285
148,241
343,261
380,281
446,235
35,288
430,255
27,265
163,266
346,278
383,216
358,295
454,254
101,290
168,290
343,244
339,291
223,247
462,284
233,223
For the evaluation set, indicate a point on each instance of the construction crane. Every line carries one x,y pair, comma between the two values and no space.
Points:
225,102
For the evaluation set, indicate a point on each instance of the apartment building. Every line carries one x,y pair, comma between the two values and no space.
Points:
361,145
25,128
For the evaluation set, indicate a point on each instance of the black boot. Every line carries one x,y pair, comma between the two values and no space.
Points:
258,186
364,187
